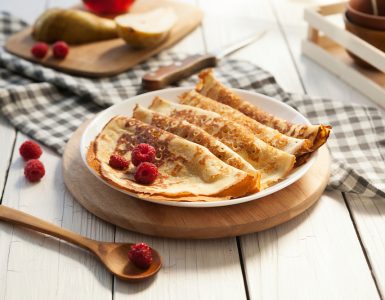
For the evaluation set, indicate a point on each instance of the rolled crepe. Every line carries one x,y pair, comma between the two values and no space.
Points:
210,87
267,134
197,135
273,163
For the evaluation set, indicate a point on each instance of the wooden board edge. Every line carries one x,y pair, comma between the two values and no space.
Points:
219,232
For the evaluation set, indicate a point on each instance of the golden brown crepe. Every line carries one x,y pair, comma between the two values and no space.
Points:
273,163
265,133
197,135
210,87
187,171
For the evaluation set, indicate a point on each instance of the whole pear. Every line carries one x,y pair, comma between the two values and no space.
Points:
72,26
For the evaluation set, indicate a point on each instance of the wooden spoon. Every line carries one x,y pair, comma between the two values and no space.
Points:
113,255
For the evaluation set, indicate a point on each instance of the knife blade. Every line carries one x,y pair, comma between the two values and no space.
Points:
167,75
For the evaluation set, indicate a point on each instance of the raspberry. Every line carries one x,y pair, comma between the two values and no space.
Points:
60,49
142,153
30,150
118,162
39,50
141,255
34,170
146,173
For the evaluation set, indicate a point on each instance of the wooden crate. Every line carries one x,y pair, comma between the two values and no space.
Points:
326,44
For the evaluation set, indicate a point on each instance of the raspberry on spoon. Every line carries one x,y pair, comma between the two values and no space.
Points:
141,255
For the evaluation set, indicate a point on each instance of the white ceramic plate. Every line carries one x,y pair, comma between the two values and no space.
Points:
125,108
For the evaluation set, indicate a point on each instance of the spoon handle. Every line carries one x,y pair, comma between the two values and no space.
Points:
20,218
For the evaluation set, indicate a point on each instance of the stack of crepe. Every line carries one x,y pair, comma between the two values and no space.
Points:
212,145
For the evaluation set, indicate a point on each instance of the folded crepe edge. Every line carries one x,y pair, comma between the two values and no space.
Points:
322,136
204,84
300,148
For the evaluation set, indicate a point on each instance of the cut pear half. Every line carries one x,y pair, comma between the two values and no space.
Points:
146,30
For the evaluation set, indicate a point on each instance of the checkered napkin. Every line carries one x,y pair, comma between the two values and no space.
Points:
49,106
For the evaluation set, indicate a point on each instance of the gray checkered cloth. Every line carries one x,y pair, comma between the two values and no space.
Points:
49,106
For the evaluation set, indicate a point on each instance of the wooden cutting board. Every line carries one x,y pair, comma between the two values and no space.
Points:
110,57
193,223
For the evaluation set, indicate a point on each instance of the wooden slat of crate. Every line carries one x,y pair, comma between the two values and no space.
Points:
335,59
327,43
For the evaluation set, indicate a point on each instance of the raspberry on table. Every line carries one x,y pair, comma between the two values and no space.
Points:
34,170
146,173
141,255
39,50
30,150
60,49
143,153
118,162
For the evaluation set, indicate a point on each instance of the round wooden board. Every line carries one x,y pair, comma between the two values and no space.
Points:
193,223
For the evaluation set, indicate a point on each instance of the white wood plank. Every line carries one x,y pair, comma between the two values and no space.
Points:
5,243
230,21
368,214
24,10
191,270
7,138
46,267
315,256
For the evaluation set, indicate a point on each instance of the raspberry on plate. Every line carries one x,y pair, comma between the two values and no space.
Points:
141,255
34,170
60,49
118,162
39,50
146,173
30,150
143,153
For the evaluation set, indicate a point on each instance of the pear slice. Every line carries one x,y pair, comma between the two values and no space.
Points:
146,30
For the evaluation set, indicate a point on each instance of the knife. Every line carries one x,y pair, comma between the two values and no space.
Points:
167,75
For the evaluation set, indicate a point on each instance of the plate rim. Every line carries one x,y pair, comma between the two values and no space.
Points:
273,189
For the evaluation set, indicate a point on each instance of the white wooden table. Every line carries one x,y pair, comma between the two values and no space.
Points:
335,250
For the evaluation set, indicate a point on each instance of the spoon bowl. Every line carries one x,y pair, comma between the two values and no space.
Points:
113,255
115,258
